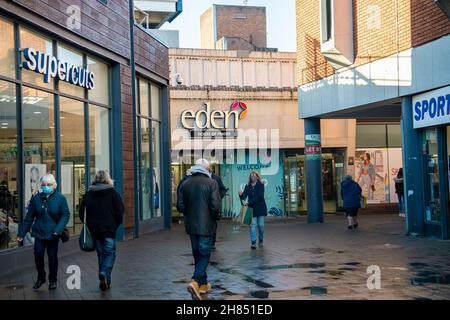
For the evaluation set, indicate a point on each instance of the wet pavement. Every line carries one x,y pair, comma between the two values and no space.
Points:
298,261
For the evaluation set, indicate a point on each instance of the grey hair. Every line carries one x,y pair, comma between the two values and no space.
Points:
49,178
102,176
203,162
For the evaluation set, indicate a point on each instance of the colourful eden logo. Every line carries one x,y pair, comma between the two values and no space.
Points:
239,104
216,119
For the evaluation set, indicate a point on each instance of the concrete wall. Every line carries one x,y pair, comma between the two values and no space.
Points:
200,68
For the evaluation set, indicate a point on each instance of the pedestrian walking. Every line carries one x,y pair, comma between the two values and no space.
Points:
199,201
351,194
47,216
400,191
253,196
222,191
104,214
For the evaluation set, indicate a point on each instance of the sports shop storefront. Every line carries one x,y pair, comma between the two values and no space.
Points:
431,121
60,112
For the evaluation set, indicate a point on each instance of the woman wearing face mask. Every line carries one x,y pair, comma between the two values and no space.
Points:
254,192
47,215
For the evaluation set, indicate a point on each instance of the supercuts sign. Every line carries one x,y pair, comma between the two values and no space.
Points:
204,119
51,67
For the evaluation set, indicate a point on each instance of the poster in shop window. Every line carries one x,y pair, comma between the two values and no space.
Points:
33,173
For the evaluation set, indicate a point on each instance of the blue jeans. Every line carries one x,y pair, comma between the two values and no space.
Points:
106,253
401,203
257,221
52,252
201,250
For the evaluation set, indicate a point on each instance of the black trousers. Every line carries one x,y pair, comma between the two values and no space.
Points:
40,245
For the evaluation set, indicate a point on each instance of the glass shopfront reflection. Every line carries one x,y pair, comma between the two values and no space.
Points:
431,165
48,109
9,208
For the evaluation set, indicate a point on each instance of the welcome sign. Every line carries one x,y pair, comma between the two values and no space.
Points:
51,67
431,108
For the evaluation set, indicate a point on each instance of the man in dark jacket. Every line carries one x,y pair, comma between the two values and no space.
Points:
351,194
104,215
199,201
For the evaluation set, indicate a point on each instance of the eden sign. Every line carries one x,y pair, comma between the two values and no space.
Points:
51,67
206,118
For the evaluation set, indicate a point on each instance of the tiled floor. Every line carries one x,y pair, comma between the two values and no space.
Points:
298,261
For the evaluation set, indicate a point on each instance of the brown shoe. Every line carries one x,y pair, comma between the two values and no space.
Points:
204,288
193,289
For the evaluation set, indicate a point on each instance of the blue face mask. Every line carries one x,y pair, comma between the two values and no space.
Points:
47,190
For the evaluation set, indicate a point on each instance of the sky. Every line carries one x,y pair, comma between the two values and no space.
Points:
280,22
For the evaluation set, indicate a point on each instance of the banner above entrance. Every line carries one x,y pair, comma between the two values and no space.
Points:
432,108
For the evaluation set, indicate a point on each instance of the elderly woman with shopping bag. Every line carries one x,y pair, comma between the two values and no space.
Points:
253,197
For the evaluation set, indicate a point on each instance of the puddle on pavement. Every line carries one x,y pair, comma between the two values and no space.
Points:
320,250
295,266
316,290
419,264
179,282
352,263
329,272
259,283
260,294
18,287
430,277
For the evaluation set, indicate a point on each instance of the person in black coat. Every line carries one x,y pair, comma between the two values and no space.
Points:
400,191
222,191
104,214
199,201
254,193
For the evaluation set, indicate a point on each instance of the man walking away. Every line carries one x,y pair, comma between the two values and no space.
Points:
222,191
199,201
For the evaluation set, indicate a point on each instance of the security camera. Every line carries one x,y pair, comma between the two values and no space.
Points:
179,79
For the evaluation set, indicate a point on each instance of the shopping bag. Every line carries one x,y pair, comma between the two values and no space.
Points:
363,202
86,242
247,216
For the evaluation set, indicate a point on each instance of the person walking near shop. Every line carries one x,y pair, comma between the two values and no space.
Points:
351,194
367,176
253,196
199,201
47,216
104,214
399,190
222,191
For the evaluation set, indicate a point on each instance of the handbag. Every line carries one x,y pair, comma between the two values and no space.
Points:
65,235
86,242
247,218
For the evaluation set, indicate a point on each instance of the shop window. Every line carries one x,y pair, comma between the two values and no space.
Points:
156,102
145,169
394,134
73,159
75,58
143,98
39,138
9,206
370,135
98,139
156,140
432,185
29,39
7,65
100,93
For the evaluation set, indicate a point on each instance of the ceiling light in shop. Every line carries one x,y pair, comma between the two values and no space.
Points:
37,112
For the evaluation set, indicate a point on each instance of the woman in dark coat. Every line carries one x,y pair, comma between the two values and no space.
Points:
351,194
104,215
254,192
47,216
400,191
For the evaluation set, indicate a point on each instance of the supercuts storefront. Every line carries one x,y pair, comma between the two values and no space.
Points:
431,117
55,115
